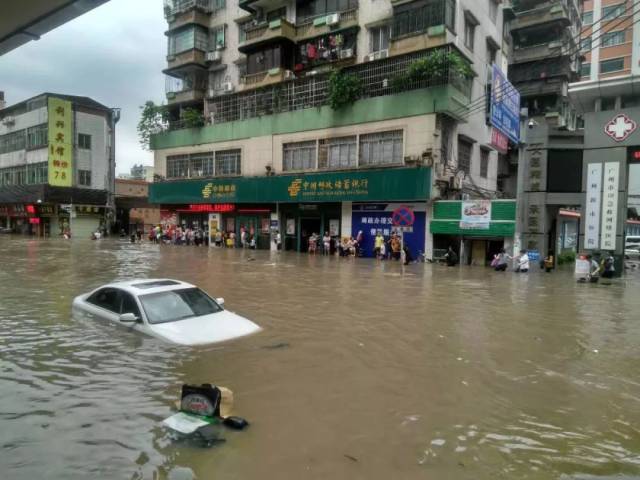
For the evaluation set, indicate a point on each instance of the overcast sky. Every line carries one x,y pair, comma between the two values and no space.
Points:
114,54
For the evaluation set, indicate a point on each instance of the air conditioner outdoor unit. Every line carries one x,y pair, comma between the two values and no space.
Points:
213,92
333,19
289,75
411,160
346,53
378,55
227,87
214,56
9,120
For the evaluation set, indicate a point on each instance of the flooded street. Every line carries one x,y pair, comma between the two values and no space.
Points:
362,371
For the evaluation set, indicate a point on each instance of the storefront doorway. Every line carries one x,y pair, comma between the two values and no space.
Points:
309,226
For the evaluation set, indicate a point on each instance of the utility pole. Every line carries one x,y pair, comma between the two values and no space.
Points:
520,197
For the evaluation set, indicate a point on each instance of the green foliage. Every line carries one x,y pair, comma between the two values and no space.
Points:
567,257
153,119
436,67
192,118
343,90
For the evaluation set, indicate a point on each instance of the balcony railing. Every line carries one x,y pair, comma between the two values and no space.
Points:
376,78
175,7
415,21
264,31
313,26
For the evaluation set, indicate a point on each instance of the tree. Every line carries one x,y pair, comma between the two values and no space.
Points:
153,119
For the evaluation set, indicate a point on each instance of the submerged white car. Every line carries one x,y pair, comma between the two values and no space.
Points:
171,310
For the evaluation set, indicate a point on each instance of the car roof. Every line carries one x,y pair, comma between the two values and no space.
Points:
143,286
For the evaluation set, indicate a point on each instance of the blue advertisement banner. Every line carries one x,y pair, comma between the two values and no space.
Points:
505,105
378,217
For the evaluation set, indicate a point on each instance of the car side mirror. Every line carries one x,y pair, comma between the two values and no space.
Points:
128,318
220,301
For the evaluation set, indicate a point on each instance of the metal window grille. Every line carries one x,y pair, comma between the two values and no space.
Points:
411,20
337,152
484,163
228,162
464,156
37,136
37,173
299,156
382,148
178,166
309,92
201,164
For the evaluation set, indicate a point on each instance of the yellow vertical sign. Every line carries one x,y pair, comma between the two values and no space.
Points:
60,143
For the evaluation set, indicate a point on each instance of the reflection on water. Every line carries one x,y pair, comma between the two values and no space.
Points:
362,371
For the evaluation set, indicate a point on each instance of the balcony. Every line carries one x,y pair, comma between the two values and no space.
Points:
262,79
325,24
311,92
543,14
532,53
255,36
190,17
172,8
189,60
191,95
421,27
190,89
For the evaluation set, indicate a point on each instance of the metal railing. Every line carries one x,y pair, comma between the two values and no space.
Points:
415,21
174,7
376,79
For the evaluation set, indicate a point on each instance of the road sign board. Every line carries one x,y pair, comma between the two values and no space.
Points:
403,217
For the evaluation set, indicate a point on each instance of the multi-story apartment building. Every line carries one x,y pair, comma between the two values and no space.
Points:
283,149
57,165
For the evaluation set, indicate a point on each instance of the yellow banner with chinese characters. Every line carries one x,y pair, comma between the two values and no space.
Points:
60,143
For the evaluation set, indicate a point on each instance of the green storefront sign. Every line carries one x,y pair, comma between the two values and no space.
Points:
350,186
447,217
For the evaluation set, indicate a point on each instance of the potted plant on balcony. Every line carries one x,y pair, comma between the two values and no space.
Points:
343,89
436,69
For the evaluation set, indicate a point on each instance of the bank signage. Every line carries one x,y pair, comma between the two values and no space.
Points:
372,185
505,105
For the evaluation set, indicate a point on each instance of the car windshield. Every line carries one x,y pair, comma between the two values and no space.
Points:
174,305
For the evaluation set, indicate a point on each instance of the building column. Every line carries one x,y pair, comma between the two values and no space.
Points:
345,221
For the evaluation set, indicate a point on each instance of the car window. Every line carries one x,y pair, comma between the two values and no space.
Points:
107,298
175,305
129,304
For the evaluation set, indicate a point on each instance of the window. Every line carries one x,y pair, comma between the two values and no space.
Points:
277,14
587,18
264,60
492,53
37,173
484,162
493,10
216,79
36,103
12,142
613,11
415,18
379,38
177,305
228,162
381,148
317,8
84,178
464,155
337,152
564,171
201,164
585,44
217,35
188,39
107,298
611,39
84,141
585,69
37,136
613,65
129,305
178,166
299,156
469,33
607,103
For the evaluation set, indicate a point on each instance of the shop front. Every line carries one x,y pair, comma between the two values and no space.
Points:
27,219
295,205
475,229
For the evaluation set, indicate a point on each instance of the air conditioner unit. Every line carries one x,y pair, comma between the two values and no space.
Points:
333,19
289,75
455,182
410,160
378,55
214,56
227,87
8,120
346,53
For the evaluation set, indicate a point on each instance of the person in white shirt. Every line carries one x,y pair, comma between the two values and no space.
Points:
523,262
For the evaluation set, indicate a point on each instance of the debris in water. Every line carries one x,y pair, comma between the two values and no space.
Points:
353,459
276,346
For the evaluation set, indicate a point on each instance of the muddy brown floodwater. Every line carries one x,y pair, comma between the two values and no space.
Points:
362,371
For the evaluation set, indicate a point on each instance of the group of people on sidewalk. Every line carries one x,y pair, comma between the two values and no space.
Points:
522,263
